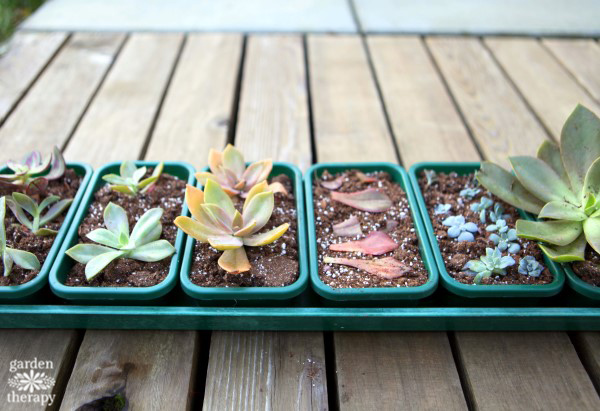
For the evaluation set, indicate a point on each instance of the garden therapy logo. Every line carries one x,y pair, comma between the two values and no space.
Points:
30,383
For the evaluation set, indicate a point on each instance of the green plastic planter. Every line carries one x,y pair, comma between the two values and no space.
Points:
587,290
369,294
256,293
27,290
482,290
63,263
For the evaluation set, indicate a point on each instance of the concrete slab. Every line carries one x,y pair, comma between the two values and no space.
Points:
529,17
194,15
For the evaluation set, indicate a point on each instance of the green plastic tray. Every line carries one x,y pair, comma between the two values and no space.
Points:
483,290
256,293
580,286
109,294
369,294
27,290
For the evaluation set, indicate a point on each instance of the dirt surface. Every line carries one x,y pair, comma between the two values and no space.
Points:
273,265
168,194
446,190
19,237
328,213
589,270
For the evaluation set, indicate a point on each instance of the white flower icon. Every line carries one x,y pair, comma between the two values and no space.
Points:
31,382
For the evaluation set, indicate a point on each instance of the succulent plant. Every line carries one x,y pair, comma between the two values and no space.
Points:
11,256
130,179
491,263
33,166
430,176
481,207
228,168
21,203
216,221
469,193
441,208
505,238
143,244
498,213
561,186
460,229
530,266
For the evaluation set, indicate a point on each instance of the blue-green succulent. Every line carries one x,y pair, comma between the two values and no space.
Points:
469,192
491,263
481,207
430,176
459,229
503,237
441,208
530,266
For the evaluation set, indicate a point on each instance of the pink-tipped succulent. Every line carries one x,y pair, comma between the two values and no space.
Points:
35,167
216,221
228,168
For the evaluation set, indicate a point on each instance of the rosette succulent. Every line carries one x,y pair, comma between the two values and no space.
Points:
459,229
481,207
503,237
216,221
469,192
441,208
561,186
11,256
130,179
33,167
530,266
114,241
228,168
491,263
21,203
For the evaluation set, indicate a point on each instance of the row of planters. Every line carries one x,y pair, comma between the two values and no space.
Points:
236,231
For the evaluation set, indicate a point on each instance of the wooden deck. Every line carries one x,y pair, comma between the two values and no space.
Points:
295,98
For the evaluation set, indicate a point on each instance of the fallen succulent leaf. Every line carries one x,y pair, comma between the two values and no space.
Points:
387,267
371,200
277,187
376,243
333,184
365,178
348,228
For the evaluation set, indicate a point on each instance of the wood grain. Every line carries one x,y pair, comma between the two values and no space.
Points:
50,111
266,371
273,111
525,371
425,123
547,86
495,113
582,58
588,345
199,102
120,119
151,369
348,117
25,59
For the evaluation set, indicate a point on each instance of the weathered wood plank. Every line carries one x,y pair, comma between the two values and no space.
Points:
150,369
274,101
496,115
197,108
26,57
50,111
588,344
347,114
375,370
582,58
425,123
544,83
525,371
266,371
270,370
118,122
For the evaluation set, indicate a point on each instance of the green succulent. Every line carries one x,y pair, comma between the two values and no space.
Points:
130,179
35,167
491,263
561,186
11,256
21,203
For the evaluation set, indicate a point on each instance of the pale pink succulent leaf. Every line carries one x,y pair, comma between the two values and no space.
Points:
257,172
348,228
376,243
234,160
371,200
333,184
387,267
194,198
214,194
217,217
234,261
246,230
215,159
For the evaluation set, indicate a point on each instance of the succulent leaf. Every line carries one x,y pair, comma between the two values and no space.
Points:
591,184
145,228
560,210
257,189
371,200
23,259
549,153
234,261
553,232
246,230
257,172
333,184
259,209
152,251
25,202
541,180
195,228
214,194
387,267
98,263
194,198
115,219
218,218
574,251
375,243
56,210
258,240
128,168
234,160
57,165
348,228
104,237
11,256
225,242
591,228
7,261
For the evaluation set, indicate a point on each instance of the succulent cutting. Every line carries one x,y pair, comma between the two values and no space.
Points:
21,203
561,186
129,180
11,256
115,241
216,221
491,263
34,167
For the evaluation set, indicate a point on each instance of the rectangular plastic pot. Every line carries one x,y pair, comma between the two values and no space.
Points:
63,263
256,293
481,290
27,290
398,174
581,287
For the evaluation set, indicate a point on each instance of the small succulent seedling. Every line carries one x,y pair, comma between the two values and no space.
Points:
469,193
228,168
143,244
33,166
217,222
21,203
561,186
503,237
130,179
10,256
498,213
430,176
530,266
481,207
491,263
441,208
460,229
